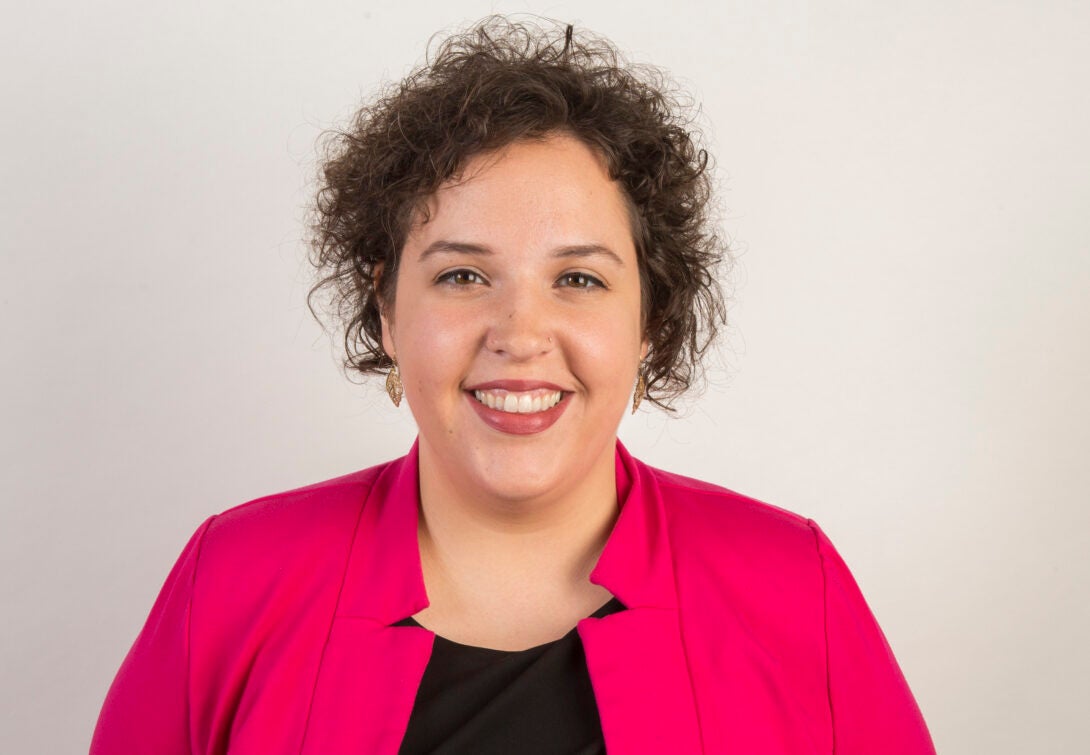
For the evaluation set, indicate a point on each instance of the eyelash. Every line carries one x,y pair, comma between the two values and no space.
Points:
458,278
452,276
589,280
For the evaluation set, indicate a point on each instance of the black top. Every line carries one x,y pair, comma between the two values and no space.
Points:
537,701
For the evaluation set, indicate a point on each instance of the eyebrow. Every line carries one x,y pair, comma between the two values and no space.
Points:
443,246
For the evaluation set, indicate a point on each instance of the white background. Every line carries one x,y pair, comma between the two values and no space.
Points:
906,187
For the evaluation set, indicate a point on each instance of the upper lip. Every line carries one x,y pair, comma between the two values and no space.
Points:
514,386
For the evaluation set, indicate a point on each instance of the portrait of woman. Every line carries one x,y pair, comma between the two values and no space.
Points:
499,377
518,235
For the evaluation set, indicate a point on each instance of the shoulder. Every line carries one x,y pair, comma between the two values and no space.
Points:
739,561
722,511
282,537
300,515
705,519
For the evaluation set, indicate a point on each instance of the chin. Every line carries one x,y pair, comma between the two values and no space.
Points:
519,488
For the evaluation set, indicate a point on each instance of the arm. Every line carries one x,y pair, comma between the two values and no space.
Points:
872,707
147,707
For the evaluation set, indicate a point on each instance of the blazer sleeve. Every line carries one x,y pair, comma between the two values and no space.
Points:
147,707
872,708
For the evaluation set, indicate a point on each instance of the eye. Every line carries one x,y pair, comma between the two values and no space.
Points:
461,277
579,280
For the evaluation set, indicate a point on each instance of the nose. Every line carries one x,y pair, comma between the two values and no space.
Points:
521,328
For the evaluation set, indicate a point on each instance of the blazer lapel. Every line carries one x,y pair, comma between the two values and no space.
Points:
636,658
370,671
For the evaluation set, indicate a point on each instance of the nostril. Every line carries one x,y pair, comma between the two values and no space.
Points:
523,340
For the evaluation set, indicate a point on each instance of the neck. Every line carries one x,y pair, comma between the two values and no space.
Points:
480,541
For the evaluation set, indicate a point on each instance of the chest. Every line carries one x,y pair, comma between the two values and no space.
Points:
661,684
522,619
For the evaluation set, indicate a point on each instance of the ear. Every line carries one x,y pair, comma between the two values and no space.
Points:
645,346
384,314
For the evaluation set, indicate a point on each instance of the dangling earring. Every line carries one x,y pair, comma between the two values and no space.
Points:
393,385
640,392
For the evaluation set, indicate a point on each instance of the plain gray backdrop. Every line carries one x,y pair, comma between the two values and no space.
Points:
905,185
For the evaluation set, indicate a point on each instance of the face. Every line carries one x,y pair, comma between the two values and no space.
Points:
516,322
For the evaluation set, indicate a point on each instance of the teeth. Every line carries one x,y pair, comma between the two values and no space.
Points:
519,403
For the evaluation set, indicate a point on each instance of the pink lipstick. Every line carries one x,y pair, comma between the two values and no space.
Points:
518,407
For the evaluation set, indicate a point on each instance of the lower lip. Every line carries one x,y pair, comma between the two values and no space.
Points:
516,423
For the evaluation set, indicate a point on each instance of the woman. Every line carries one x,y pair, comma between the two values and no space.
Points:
518,236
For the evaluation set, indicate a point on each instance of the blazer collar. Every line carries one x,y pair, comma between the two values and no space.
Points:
636,564
370,670
384,581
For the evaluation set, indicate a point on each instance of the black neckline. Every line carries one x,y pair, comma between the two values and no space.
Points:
613,605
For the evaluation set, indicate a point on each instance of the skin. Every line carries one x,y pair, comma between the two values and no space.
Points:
542,284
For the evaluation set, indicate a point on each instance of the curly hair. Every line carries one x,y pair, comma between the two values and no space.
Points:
497,83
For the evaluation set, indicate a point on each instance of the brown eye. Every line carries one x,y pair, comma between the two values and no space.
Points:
580,280
461,277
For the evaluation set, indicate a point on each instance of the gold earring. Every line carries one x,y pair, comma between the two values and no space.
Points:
640,392
393,385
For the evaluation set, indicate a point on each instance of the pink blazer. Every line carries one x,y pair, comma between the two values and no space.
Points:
744,631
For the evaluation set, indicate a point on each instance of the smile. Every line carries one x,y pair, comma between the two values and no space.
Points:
518,407
521,402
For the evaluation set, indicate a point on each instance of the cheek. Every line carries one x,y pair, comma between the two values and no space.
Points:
435,345
606,344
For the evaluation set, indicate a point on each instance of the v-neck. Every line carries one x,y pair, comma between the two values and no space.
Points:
613,605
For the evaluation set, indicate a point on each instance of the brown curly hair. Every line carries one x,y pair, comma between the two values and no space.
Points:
492,85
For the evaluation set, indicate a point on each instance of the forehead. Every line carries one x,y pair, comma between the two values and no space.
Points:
555,190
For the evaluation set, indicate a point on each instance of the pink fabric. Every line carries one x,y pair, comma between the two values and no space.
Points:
744,630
